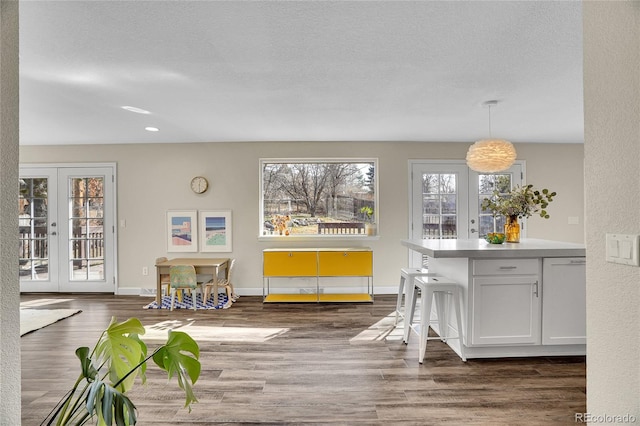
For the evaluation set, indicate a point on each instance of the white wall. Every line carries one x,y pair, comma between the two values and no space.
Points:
155,178
10,367
612,183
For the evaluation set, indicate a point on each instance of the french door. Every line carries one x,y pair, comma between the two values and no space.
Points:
66,228
445,200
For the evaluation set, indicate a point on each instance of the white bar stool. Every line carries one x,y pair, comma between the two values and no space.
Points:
406,279
442,288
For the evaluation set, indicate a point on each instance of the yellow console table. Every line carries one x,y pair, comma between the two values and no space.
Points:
317,263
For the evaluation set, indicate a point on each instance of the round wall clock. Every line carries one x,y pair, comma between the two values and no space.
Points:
199,184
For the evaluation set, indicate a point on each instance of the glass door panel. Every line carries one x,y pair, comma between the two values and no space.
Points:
36,228
86,241
439,205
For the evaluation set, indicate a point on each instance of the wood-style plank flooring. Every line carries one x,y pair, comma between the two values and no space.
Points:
304,364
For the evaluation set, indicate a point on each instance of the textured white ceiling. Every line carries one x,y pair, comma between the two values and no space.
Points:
299,71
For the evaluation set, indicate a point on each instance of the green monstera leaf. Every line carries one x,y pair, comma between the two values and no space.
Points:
121,349
110,405
171,358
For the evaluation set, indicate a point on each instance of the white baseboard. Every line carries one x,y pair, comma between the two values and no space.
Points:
255,291
132,291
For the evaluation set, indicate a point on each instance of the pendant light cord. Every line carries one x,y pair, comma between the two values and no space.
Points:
489,106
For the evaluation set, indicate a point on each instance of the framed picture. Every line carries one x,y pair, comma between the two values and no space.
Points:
182,231
215,230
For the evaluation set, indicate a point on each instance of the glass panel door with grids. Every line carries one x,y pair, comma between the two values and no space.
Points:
80,239
446,198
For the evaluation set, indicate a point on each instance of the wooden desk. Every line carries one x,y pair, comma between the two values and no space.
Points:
202,265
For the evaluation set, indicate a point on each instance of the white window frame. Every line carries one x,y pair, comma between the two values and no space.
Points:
315,237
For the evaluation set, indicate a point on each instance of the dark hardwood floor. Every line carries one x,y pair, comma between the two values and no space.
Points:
304,363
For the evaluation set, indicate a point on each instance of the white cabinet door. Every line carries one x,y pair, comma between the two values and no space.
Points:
564,307
506,310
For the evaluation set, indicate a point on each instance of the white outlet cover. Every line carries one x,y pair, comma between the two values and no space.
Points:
623,249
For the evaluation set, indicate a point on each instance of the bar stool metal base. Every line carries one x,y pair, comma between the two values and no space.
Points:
407,276
442,289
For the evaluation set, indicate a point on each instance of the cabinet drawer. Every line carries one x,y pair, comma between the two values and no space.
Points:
345,263
290,264
506,267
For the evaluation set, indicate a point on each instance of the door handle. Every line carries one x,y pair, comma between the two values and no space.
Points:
54,233
472,230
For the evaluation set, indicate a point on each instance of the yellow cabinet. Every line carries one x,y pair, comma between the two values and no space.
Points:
329,263
345,263
290,263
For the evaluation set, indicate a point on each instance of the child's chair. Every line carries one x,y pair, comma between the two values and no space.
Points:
226,283
183,277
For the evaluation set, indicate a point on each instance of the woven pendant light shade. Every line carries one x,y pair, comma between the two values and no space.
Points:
491,155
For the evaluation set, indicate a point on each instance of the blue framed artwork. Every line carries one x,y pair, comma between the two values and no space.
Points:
215,231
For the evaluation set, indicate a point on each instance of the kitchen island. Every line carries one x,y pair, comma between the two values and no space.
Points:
519,299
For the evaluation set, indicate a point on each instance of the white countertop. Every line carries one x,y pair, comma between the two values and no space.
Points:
479,248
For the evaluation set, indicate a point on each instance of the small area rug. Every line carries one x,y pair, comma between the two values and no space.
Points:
186,303
34,319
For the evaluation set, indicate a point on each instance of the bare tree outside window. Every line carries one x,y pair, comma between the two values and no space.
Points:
318,197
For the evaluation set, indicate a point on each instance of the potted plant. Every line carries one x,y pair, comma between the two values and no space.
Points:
521,202
109,370
370,226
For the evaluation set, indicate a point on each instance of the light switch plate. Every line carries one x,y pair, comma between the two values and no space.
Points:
623,249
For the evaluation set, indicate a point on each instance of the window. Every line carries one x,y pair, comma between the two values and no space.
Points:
318,198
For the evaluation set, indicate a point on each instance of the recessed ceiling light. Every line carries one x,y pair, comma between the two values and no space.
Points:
151,129
136,110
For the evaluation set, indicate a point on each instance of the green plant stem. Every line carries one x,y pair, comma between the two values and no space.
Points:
82,420
70,412
138,366
55,410
74,410
63,406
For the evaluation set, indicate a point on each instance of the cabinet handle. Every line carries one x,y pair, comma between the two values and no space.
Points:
290,254
577,262
345,254
535,289
508,267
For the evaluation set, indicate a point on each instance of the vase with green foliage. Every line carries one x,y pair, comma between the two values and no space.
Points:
110,369
520,203
370,227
